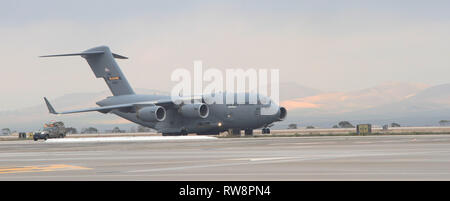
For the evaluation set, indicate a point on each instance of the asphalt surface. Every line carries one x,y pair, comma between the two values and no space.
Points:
421,157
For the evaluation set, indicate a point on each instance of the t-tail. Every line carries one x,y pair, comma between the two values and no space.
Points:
102,63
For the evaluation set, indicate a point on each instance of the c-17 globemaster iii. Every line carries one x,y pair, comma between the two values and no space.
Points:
162,113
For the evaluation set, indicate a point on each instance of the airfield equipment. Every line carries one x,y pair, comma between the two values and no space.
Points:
51,130
362,129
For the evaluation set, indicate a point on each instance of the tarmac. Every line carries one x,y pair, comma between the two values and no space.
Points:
393,157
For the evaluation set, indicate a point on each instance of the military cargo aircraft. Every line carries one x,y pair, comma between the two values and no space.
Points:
162,113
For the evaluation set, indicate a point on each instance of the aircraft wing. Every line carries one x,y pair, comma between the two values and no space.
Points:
168,102
104,109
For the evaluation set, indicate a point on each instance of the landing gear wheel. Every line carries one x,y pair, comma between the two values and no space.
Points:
266,131
234,132
173,134
248,132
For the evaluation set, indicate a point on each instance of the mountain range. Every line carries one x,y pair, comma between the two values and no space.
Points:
409,104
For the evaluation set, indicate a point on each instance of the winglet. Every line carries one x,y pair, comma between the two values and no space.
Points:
49,106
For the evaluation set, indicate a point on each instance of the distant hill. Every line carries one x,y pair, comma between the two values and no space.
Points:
32,118
405,103
428,106
341,102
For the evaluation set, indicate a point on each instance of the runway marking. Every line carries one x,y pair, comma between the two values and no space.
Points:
288,160
363,142
129,139
261,159
314,143
47,168
303,143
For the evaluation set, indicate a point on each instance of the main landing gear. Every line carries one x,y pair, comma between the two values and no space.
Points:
183,132
237,132
265,131
234,132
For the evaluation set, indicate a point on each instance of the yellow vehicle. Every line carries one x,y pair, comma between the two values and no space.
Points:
363,129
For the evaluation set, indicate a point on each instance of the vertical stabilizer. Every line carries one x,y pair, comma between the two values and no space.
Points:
104,66
102,63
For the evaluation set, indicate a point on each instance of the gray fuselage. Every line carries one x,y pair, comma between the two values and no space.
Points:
168,116
222,117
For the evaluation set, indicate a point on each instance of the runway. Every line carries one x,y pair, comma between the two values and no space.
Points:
414,157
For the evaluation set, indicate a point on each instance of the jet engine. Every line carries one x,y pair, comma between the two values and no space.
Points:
282,113
151,113
196,110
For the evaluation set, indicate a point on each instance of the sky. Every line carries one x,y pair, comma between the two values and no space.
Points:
327,45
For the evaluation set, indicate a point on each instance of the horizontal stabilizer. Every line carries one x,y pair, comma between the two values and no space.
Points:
75,54
117,56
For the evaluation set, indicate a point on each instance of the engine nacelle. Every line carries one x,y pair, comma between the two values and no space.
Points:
196,110
282,114
151,113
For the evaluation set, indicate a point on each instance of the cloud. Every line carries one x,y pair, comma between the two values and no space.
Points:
295,104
